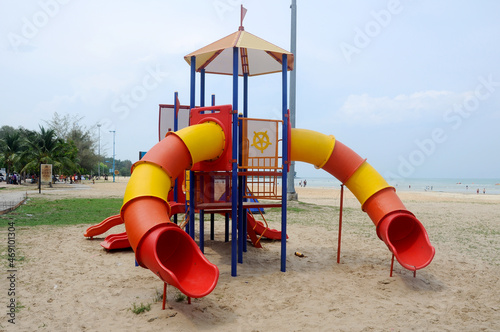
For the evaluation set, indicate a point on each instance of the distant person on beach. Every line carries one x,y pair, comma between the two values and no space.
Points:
484,190
305,182
478,190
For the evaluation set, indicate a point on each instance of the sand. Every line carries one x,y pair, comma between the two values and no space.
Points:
69,283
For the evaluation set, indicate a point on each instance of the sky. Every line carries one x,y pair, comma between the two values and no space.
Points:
413,86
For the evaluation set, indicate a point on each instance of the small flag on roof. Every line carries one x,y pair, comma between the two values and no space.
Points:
243,13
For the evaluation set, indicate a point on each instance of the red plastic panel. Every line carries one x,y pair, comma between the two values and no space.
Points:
223,117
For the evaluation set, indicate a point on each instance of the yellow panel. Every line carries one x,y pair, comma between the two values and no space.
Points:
247,40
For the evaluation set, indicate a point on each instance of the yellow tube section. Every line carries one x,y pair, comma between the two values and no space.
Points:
204,141
365,182
311,147
316,148
140,183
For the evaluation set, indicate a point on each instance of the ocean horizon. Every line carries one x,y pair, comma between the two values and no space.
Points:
449,185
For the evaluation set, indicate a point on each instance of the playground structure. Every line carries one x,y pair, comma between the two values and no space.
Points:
231,164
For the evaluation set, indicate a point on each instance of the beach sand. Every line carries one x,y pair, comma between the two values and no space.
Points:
69,283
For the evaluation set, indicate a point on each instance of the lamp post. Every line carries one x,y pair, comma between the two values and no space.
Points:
114,132
99,153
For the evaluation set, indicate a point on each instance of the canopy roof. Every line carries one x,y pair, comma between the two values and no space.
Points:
256,56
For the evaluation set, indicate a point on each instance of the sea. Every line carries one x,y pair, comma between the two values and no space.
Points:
464,186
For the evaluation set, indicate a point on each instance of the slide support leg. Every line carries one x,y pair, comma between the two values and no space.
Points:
340,221
226,228
392,265
212,227
164,296
202,231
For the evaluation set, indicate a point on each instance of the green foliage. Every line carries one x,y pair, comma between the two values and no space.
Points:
4,130
19,306
69,146
10,150
122,166
158,296
125,171
139,309
7,260
69,128
46,148
85,149
295,209
71,211
180,297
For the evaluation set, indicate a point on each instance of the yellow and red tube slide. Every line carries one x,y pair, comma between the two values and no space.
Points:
160,245
400,230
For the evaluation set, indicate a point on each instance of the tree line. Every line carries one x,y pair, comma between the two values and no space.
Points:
63,142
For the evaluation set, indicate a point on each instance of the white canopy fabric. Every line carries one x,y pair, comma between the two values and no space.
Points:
256,56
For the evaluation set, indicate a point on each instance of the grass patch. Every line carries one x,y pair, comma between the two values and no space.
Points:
295,209
158,296
180,297
17,261
139,309
71,211
19,306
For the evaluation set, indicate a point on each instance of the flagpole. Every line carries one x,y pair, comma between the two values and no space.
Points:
291,194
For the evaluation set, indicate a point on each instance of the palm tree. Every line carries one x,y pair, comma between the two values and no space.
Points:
10,151
46,148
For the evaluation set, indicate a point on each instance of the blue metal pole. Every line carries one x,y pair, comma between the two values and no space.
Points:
202,231
191,173
234,177
244,179
245,95
193,82
213,100
284,164
202,88
176,127
202,213
241,224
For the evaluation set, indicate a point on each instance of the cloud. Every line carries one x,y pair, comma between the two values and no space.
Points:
58,103
419,106
95,88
